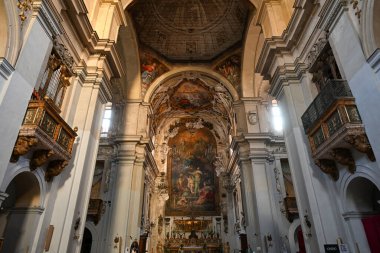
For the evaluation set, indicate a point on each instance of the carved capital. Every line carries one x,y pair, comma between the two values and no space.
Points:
328,166
22,146
344,157
360,143
54,169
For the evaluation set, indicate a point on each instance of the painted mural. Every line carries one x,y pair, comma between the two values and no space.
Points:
190,95
230,69
193,185
151,68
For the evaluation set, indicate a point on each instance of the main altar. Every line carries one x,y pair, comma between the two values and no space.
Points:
193,235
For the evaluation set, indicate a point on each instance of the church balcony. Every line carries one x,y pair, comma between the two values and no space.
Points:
95,210
47,136
333,126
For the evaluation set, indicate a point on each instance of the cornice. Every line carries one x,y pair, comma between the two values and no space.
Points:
284,43
284,75
49,17
275,48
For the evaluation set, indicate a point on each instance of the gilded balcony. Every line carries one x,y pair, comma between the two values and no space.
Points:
47,136
95,210
333,126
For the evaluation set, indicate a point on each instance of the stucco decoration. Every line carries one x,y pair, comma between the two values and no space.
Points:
198,30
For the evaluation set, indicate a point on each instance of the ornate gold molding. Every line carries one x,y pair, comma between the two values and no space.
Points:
22,146
328,166
54,169
360,143
344,157
24,6
39,158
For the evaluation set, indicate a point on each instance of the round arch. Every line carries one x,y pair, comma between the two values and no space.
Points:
361,195
23,167
163,78
292,234
363,172
10,31
370,27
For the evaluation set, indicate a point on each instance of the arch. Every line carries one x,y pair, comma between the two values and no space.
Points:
24,191
370,27
87,241
21,212
127,48
21,167
10,31
292,234
362,171
150,92
362,195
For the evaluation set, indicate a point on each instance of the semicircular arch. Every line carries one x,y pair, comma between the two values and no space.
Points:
207,72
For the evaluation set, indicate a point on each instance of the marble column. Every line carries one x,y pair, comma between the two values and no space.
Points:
128,196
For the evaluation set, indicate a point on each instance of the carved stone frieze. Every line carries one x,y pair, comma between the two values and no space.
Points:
22,146
360,143
39,158
329,167
344,157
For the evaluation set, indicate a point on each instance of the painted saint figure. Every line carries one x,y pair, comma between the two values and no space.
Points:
197,180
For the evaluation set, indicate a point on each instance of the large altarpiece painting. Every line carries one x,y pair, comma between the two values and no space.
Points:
193,185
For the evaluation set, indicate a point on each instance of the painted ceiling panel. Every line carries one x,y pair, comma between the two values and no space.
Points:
190,30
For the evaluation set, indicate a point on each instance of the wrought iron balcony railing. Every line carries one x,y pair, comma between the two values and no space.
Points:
334,90
44,132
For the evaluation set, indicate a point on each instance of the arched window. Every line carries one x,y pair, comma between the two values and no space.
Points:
277,123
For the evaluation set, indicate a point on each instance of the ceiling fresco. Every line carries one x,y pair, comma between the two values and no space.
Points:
151,68
194,95
190,95
190,30
230,68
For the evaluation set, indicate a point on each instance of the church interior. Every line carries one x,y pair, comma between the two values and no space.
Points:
195,126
